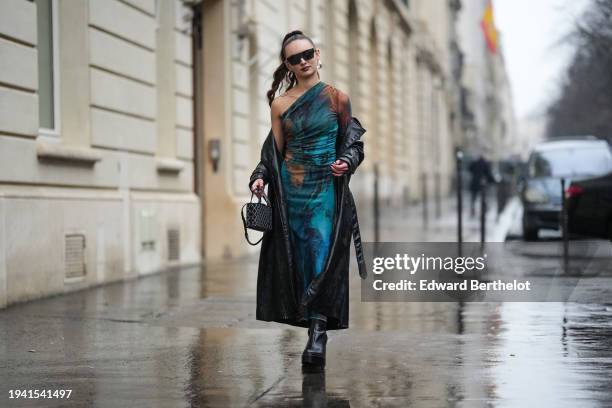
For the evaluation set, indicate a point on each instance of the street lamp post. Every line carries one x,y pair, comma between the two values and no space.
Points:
459,166
436,86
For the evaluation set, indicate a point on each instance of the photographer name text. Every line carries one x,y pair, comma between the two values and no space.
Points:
433,285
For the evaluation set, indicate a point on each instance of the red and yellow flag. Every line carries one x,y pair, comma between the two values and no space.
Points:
488,27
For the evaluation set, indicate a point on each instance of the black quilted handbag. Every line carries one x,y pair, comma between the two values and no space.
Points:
258,217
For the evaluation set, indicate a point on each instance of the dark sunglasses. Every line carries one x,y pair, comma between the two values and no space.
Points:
296,58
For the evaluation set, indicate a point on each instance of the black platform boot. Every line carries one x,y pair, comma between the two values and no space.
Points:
314,353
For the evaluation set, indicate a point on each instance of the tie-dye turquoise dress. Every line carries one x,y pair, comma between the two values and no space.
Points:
310,127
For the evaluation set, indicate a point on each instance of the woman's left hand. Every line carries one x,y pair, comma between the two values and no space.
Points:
339,167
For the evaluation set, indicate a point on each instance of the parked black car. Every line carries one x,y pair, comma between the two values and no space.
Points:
589,207
571,158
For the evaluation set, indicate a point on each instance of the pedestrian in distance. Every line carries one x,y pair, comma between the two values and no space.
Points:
306,163
480,170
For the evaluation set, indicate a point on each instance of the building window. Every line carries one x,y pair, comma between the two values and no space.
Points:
48,98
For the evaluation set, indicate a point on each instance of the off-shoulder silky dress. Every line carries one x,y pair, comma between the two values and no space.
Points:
310,127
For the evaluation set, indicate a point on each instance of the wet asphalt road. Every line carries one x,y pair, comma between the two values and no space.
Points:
189,338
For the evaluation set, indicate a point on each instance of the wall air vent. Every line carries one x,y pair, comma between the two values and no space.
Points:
173,244
75,255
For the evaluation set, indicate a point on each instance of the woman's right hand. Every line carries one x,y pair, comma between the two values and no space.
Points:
258,187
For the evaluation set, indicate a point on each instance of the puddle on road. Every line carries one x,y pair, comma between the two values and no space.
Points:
117,344
559,354
512,354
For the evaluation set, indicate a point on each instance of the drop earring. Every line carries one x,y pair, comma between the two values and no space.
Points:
319,65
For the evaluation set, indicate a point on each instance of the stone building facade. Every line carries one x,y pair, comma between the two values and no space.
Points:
96,144
392,58
129,128
489,119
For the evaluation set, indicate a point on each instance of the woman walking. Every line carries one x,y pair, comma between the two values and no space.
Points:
307,160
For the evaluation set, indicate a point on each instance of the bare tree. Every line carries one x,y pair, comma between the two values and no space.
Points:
585,102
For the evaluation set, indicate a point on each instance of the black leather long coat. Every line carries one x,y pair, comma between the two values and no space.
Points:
280,294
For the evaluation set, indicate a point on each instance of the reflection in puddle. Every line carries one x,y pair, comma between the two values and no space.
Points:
192,338
231,367
511,354
314,394
555,352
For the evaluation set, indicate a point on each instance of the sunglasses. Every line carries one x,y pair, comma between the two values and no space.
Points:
296,58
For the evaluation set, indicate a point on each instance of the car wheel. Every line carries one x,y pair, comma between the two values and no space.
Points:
530,234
